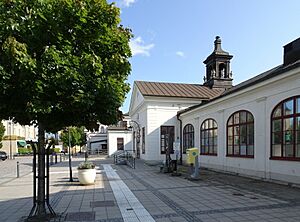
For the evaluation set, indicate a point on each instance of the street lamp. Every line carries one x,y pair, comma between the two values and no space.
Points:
86,145
70,161
137,125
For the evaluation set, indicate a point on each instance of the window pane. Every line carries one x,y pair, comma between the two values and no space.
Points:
243,140
298,105
216,131
277,111
236,150
276,138
298,123
229,150
298,150
288,124
243,130
243,150
236,140
249,117
243,117
206,149
250,133
276,150
288,107
216,151
230,122
288,150
230,140
250,150
210,141
298,137
215,124
236,118
288,137
276,125
206,124
230,131
236,130
250,139
210,133
210,125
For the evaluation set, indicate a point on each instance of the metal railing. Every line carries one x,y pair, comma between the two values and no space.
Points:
124,157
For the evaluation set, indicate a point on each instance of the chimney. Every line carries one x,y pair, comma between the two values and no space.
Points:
291,52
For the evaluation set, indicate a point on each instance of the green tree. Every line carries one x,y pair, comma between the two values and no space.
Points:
77,136
62,63
2,131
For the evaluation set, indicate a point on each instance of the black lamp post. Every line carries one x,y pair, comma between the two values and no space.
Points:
137,136
70,158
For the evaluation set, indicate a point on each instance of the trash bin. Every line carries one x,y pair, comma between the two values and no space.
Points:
191,154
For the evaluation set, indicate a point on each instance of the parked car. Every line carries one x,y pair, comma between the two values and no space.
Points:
3,155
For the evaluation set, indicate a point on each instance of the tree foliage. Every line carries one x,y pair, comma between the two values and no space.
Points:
2,131
62,62
77,136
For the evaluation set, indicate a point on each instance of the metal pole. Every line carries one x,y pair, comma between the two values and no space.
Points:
10,148
70,163
18,169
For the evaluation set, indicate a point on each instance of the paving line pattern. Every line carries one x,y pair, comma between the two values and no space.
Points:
131,208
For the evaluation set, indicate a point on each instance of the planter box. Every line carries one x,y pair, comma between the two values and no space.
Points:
86,176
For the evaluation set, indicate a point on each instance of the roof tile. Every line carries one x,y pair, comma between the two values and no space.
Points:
180,90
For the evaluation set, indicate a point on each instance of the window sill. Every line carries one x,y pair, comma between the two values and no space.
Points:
286,158
241,156
208,154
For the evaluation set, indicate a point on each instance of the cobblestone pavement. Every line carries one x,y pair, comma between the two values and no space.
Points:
215,197
9,168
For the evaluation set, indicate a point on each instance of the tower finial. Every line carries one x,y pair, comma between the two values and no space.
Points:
218,44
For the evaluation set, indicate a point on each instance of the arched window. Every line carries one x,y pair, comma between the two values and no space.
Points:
285,130
240,134
188,137
209,137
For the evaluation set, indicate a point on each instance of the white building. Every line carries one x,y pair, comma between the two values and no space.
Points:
16,133
252,128
120,136
97,140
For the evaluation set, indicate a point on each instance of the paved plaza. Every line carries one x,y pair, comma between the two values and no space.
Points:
144,194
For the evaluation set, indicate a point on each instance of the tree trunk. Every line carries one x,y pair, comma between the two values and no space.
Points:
41,208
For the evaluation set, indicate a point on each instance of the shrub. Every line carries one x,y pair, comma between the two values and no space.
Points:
24,151
86,165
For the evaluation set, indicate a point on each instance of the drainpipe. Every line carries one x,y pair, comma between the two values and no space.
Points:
180,137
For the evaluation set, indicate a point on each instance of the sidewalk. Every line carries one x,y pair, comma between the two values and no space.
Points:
143,194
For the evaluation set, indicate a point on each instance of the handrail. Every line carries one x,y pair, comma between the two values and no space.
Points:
124,155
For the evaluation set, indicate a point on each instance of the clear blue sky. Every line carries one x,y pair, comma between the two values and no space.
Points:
172,38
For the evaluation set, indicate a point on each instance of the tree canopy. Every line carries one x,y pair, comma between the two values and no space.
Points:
62,62
77,136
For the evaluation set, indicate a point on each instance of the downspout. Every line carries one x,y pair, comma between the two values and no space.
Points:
180,137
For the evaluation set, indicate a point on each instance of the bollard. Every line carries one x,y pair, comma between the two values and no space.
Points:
55,158
60,158
51,160
18,169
